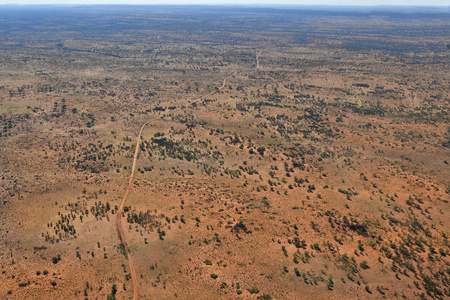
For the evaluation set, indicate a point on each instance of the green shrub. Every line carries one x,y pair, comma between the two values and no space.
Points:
364,265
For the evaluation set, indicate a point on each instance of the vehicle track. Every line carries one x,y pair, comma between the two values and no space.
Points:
257,59
120,230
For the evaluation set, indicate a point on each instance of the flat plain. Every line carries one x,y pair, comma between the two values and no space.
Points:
297,153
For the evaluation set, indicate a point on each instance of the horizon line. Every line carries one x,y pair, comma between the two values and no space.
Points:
227,4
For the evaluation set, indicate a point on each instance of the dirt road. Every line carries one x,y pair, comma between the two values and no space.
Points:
120,230
257,59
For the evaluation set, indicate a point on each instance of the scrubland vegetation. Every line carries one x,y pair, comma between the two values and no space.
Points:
320,173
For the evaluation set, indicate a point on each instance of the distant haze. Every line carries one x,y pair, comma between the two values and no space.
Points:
248,2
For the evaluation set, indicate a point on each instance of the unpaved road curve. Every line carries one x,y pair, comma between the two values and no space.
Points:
121,232
257,59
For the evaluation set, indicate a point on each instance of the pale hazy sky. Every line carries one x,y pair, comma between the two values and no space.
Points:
252,2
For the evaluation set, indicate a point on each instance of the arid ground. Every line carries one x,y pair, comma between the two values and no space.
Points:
286,154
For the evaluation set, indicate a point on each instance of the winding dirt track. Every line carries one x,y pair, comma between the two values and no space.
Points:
257,59
120,230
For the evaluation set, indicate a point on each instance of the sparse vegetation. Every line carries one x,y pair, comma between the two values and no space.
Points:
317,170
